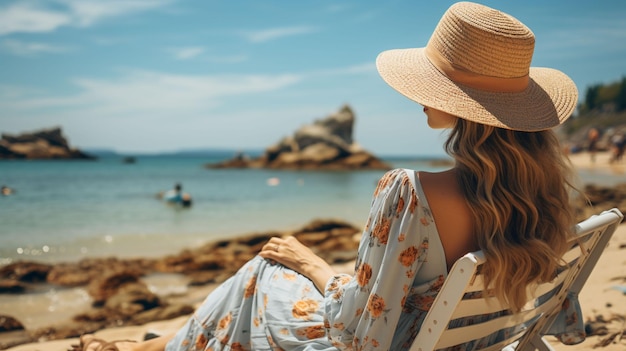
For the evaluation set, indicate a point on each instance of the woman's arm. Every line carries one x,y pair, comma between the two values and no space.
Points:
293,254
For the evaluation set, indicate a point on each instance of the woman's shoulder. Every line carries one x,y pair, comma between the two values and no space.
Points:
397,177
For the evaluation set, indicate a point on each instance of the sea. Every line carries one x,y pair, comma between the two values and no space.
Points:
67,210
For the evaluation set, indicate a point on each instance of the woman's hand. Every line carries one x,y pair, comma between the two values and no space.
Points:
293,254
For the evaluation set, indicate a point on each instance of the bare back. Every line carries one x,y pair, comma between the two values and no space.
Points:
451,213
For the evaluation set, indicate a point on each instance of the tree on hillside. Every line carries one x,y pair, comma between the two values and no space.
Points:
621,96
590,98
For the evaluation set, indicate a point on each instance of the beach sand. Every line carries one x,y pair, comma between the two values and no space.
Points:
597,297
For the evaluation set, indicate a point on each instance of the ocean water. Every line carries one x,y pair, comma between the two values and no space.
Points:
65,210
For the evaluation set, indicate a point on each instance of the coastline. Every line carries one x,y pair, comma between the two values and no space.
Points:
597,297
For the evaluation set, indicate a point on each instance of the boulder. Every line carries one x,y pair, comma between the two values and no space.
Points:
25,271
44,144
8,323
325,144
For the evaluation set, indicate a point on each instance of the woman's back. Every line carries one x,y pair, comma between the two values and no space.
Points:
451,213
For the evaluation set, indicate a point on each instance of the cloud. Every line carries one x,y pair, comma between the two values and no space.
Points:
261,36
187,53
27,17
33,16
21,48
87,12
153,92
157,92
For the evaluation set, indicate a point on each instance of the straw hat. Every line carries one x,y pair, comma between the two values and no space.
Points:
476,66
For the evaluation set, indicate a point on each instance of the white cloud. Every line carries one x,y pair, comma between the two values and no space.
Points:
153,92
187,53
39,16
275,33
21,48
27,17
228,59
87,12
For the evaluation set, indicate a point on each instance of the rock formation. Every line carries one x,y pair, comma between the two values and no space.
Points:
325,144
40,145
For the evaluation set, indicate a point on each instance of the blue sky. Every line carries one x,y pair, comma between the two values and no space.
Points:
164,75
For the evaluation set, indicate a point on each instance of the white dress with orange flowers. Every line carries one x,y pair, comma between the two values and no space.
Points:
399,270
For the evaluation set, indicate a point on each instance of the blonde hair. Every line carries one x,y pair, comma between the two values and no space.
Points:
517,185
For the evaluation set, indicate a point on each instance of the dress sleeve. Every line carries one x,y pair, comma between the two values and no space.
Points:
363,310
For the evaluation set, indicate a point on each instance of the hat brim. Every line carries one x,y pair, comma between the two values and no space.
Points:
548,100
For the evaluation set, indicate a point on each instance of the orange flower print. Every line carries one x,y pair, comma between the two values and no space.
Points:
413,203
265,300
424,302
225,321
250,287
359,312
408,256
376,305
312,332
337,295
375,343
382,183
224,339
201,342
256,321
437,284
339,326
401,237
424,221
400,206
236,346
284,331
363,274
289,276
381,231
345,279
326,323
303,308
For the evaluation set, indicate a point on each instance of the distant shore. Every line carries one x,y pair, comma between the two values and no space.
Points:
598,298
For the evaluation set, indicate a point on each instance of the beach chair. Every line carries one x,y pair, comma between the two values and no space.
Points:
532,323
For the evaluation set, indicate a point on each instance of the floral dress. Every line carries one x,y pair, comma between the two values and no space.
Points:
399,270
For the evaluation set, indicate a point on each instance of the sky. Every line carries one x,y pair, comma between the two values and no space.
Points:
148,76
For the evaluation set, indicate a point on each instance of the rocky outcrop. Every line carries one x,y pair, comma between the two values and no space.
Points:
326,144
599,198
41,145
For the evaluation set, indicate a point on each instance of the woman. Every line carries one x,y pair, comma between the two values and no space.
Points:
507,195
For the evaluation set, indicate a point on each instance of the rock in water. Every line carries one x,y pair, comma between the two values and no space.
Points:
325,144
40,145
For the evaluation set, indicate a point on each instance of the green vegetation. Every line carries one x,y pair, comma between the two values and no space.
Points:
604,107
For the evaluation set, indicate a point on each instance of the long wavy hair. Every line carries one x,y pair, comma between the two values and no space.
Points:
518,186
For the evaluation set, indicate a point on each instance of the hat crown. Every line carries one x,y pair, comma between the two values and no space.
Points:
484,41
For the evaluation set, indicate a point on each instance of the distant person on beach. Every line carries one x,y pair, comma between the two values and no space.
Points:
473,79
592,140
618,144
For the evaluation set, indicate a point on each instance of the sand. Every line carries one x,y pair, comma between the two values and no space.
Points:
598,296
